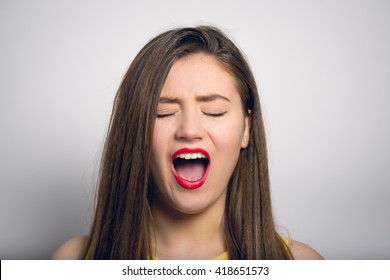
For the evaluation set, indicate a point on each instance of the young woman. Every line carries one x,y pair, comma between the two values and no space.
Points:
184,173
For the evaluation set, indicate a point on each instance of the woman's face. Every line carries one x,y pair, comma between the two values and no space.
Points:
198,134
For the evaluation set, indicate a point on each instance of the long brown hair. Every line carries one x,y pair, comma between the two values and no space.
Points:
120,229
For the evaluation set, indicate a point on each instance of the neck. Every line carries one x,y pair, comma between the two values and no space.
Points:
188,236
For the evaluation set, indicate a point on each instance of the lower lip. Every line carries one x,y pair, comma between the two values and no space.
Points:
191,185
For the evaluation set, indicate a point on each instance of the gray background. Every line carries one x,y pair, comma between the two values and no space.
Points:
323,71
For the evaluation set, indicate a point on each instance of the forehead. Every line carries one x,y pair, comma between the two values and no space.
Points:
199,74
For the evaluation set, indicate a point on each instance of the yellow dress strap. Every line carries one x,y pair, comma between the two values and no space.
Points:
223,256
286,240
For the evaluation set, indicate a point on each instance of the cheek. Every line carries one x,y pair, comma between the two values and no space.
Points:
227,140
229,135
159,140
158,151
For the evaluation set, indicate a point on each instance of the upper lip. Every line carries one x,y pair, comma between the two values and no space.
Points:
190,151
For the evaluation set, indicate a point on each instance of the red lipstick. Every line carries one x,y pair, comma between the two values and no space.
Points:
188,154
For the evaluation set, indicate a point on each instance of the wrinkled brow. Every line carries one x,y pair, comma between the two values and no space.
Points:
211,97
202,98
168,100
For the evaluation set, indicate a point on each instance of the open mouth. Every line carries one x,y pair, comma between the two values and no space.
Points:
190,167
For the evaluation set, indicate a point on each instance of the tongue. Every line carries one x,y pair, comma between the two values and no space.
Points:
191,170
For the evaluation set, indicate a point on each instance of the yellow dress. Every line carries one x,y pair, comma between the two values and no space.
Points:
225,255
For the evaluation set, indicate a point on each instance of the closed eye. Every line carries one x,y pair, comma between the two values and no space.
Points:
215,114
162,116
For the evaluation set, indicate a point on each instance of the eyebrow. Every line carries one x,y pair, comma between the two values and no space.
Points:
202,98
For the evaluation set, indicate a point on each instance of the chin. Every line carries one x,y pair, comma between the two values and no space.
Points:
179,201
190,207
196,204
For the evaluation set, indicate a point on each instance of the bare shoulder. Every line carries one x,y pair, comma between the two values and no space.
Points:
71,249
301,251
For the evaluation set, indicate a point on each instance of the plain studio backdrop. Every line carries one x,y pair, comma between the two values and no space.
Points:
323,71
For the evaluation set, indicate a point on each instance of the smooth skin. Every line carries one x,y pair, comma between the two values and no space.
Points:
199,107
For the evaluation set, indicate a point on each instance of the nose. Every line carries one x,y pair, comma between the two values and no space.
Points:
190,127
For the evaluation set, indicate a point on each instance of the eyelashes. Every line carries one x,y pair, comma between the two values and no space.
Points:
214,115
163,116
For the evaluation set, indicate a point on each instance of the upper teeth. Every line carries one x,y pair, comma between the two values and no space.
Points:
191,155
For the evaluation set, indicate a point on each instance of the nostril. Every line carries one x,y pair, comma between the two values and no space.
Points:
190,128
